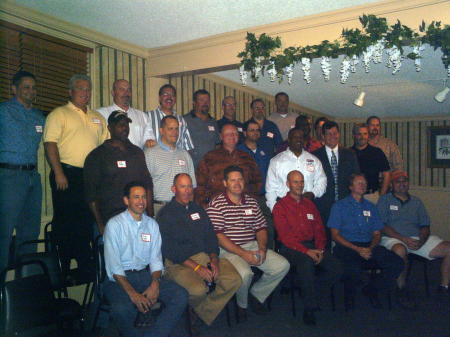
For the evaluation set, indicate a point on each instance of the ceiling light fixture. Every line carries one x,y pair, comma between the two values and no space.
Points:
442,95
360,100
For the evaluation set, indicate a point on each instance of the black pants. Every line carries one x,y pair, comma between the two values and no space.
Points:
72,220
391,266
328,271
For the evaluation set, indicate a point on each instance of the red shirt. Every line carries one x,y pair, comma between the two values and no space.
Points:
298,221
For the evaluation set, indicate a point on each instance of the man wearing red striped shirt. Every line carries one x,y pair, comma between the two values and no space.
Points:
242,233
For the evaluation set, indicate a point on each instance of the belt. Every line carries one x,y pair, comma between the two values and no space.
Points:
28,167
147,268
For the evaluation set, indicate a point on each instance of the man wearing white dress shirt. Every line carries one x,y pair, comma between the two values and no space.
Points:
294,158
141,133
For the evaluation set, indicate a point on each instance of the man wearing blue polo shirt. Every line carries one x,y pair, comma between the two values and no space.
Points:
356,229
21,128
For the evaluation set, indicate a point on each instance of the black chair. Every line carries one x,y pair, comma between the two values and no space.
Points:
29,307
412,258
100,275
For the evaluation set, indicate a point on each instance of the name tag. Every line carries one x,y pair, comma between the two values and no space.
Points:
262,153
121,163
145,237
96,121
248,212
292,126
310,167
239,129
393,207
310,216
366,213
270,134
195,216
38,128
211,128
181,162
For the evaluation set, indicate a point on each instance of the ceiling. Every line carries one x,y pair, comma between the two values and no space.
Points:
157,23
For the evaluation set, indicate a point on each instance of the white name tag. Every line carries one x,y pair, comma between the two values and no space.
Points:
96,121
38,128
248,212
121,163
239,129
366,213
310,216
211,128
270,134
181,162
262,153
393,207
292,126
145,237
195,216
310,167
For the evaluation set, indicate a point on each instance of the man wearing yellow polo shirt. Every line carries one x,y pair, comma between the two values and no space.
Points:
71,132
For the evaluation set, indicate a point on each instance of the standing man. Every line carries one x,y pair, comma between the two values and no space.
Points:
192,260
241,230
134,265
284,119
339,164
21,128
372,162
303,239
140,129
318,129
294,158
167,99
166,160
303,122
202,127
270,134
389,148
356,229
111,166
229,116
210,170
71,133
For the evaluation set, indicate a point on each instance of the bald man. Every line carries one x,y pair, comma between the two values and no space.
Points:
302,238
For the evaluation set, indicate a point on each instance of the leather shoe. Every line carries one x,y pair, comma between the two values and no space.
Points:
308,317
257,307
372,294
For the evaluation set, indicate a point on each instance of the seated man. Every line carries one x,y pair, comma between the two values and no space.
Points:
407,229
242,233
303,241
356,229
133,264
192,259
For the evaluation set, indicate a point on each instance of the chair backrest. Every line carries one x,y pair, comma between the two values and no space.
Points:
27,303
99,254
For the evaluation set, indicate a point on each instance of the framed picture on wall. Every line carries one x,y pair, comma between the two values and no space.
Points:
438,146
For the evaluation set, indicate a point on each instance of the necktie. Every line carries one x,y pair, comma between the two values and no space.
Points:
334,170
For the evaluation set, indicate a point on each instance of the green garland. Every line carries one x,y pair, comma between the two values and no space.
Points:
265,50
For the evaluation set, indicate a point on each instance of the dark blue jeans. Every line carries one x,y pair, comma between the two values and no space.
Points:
124,312
20,208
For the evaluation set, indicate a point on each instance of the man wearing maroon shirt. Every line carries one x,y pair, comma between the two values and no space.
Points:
303,239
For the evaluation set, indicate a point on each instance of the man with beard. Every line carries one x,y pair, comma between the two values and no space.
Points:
140,130
110,167
167,100
284,119
202,127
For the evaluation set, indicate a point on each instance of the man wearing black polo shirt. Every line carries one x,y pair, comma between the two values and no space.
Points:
372,163
111,166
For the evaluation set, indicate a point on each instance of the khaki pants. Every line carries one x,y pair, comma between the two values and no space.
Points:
274,268
207,306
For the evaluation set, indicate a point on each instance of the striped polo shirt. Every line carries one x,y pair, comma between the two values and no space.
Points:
238,222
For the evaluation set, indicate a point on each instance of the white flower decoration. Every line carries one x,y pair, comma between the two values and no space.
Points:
326,67
243,75
306,68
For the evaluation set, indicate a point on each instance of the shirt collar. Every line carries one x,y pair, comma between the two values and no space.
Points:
163,113
131,219
164,146
243,199
400,200
195,116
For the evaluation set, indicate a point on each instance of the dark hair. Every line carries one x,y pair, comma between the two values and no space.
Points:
353,176
17,78
301,118
232,168
130,185
281,93
358,126
227,97
165,118
167,86
199,92
318,120
329,125
178,175
257,100
245,127
291,131
372,117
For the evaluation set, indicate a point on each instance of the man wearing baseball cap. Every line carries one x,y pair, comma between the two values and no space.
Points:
407,229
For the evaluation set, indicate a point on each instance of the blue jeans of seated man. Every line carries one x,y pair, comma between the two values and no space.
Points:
20,208
124,312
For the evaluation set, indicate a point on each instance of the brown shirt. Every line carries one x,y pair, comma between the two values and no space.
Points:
209,174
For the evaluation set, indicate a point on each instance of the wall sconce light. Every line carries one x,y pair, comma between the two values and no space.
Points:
442,95
360,100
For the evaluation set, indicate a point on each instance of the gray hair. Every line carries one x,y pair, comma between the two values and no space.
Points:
78,77
358,126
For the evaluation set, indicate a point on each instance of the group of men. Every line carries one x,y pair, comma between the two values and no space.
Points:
214,188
